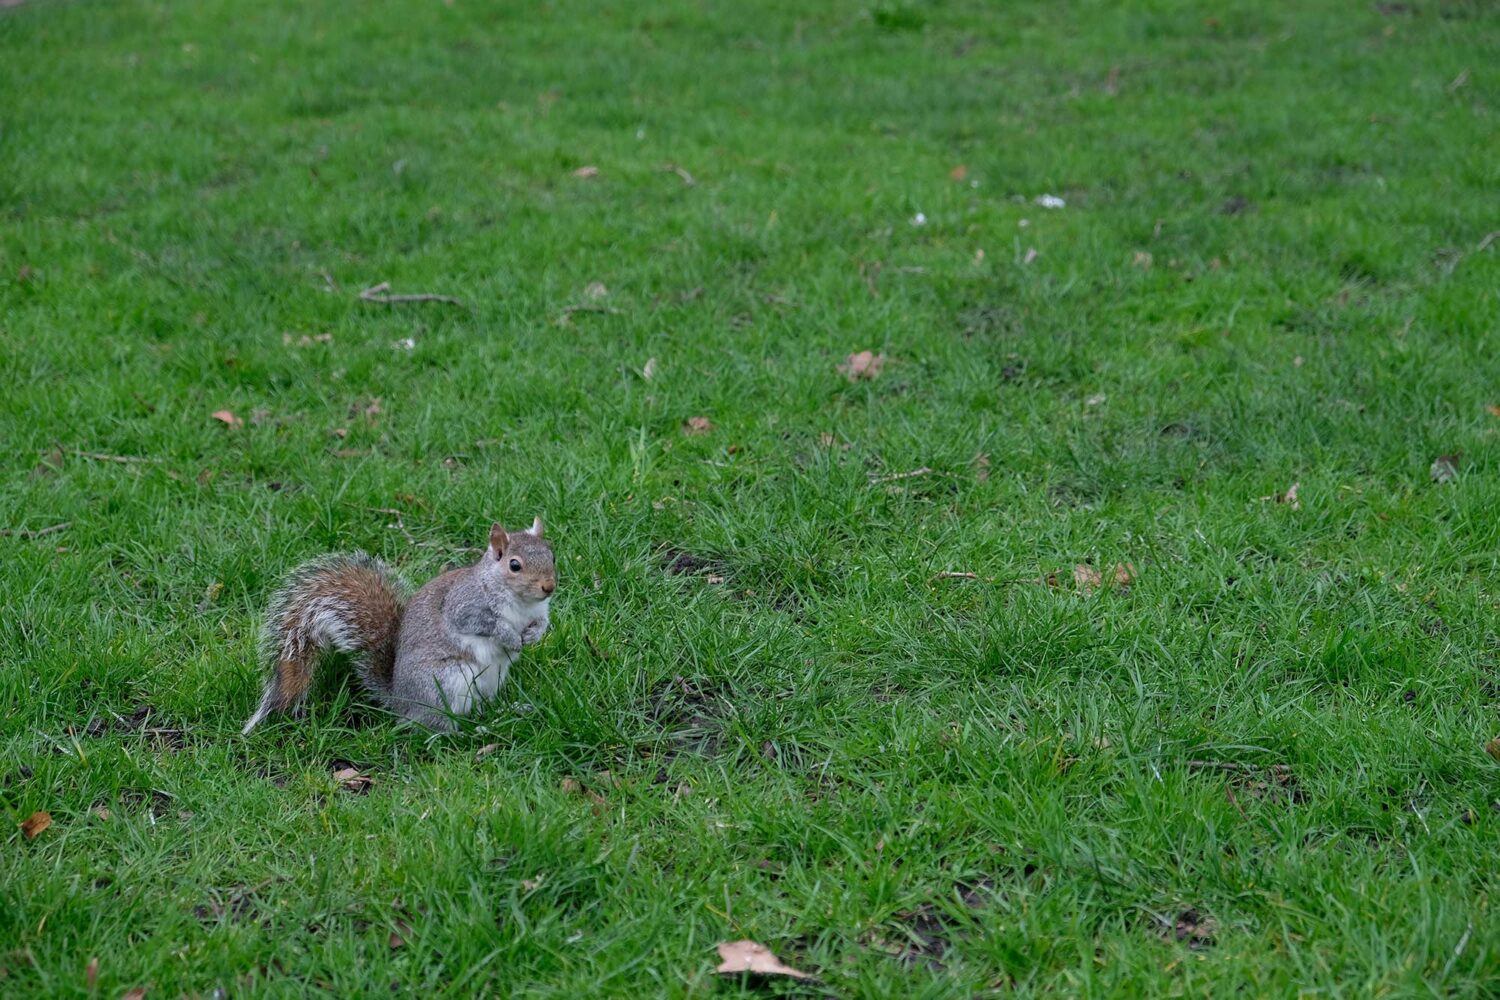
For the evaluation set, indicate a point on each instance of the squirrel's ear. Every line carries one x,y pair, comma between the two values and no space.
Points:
498,538
536,527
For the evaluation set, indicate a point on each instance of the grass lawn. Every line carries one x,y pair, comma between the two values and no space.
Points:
1176,732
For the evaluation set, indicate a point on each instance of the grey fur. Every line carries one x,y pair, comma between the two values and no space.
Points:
458,634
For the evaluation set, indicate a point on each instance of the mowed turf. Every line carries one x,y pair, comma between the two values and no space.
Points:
1251,762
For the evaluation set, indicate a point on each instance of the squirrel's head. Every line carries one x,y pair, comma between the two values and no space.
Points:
522,561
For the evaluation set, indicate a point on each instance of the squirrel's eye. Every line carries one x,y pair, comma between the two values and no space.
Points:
515,565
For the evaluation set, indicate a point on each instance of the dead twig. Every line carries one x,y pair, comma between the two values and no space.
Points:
122,459
687,178
566,316
35,532
894,476
379,294
1278,771
1489,238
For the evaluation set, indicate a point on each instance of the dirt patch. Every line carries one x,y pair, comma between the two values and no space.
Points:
153,800
234,905
690,714
138,721
924,935
678,562
1193,929
1273,782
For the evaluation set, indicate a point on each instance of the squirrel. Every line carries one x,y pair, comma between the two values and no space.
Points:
442,653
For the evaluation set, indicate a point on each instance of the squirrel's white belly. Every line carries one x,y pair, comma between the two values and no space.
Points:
469,685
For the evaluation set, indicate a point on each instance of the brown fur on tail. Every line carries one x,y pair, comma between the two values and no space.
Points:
350,603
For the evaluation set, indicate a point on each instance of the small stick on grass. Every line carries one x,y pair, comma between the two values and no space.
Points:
35,532
380,294
122,459
891,478
566,316
687,178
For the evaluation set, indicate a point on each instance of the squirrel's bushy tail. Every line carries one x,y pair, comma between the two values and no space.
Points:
350,603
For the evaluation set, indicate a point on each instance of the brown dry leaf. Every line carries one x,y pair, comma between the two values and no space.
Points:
697,425
399,935
33,825
91,973
1142,259
1124,574
1289,497
982,467
351,779
368,409
571,785
1493,748
227,418
102,812
1494,411
533,884
958,173
864,365
748,956
595,290
1445,468
485,751
137,993
1087,576
586,172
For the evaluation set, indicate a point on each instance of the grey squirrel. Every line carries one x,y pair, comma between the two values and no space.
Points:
442,653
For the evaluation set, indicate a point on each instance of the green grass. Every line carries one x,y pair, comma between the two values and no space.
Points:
911,786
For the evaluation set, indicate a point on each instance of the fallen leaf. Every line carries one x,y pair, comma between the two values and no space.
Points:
864,365
533,884
958,173
485,751
399,935
1031,255
1289,497
350,778
34,824
368,409
571,785
697,425
137,993
91,973
1124,574
595,290
1494,410
715,579
648,371
210,595
1086,576
1445,468
1095,399
102,812
982,467
227,418
748,956
1142,259
586,172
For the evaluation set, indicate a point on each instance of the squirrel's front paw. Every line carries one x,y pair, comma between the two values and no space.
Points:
532,633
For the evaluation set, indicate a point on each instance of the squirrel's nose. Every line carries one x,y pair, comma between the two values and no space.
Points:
549,586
